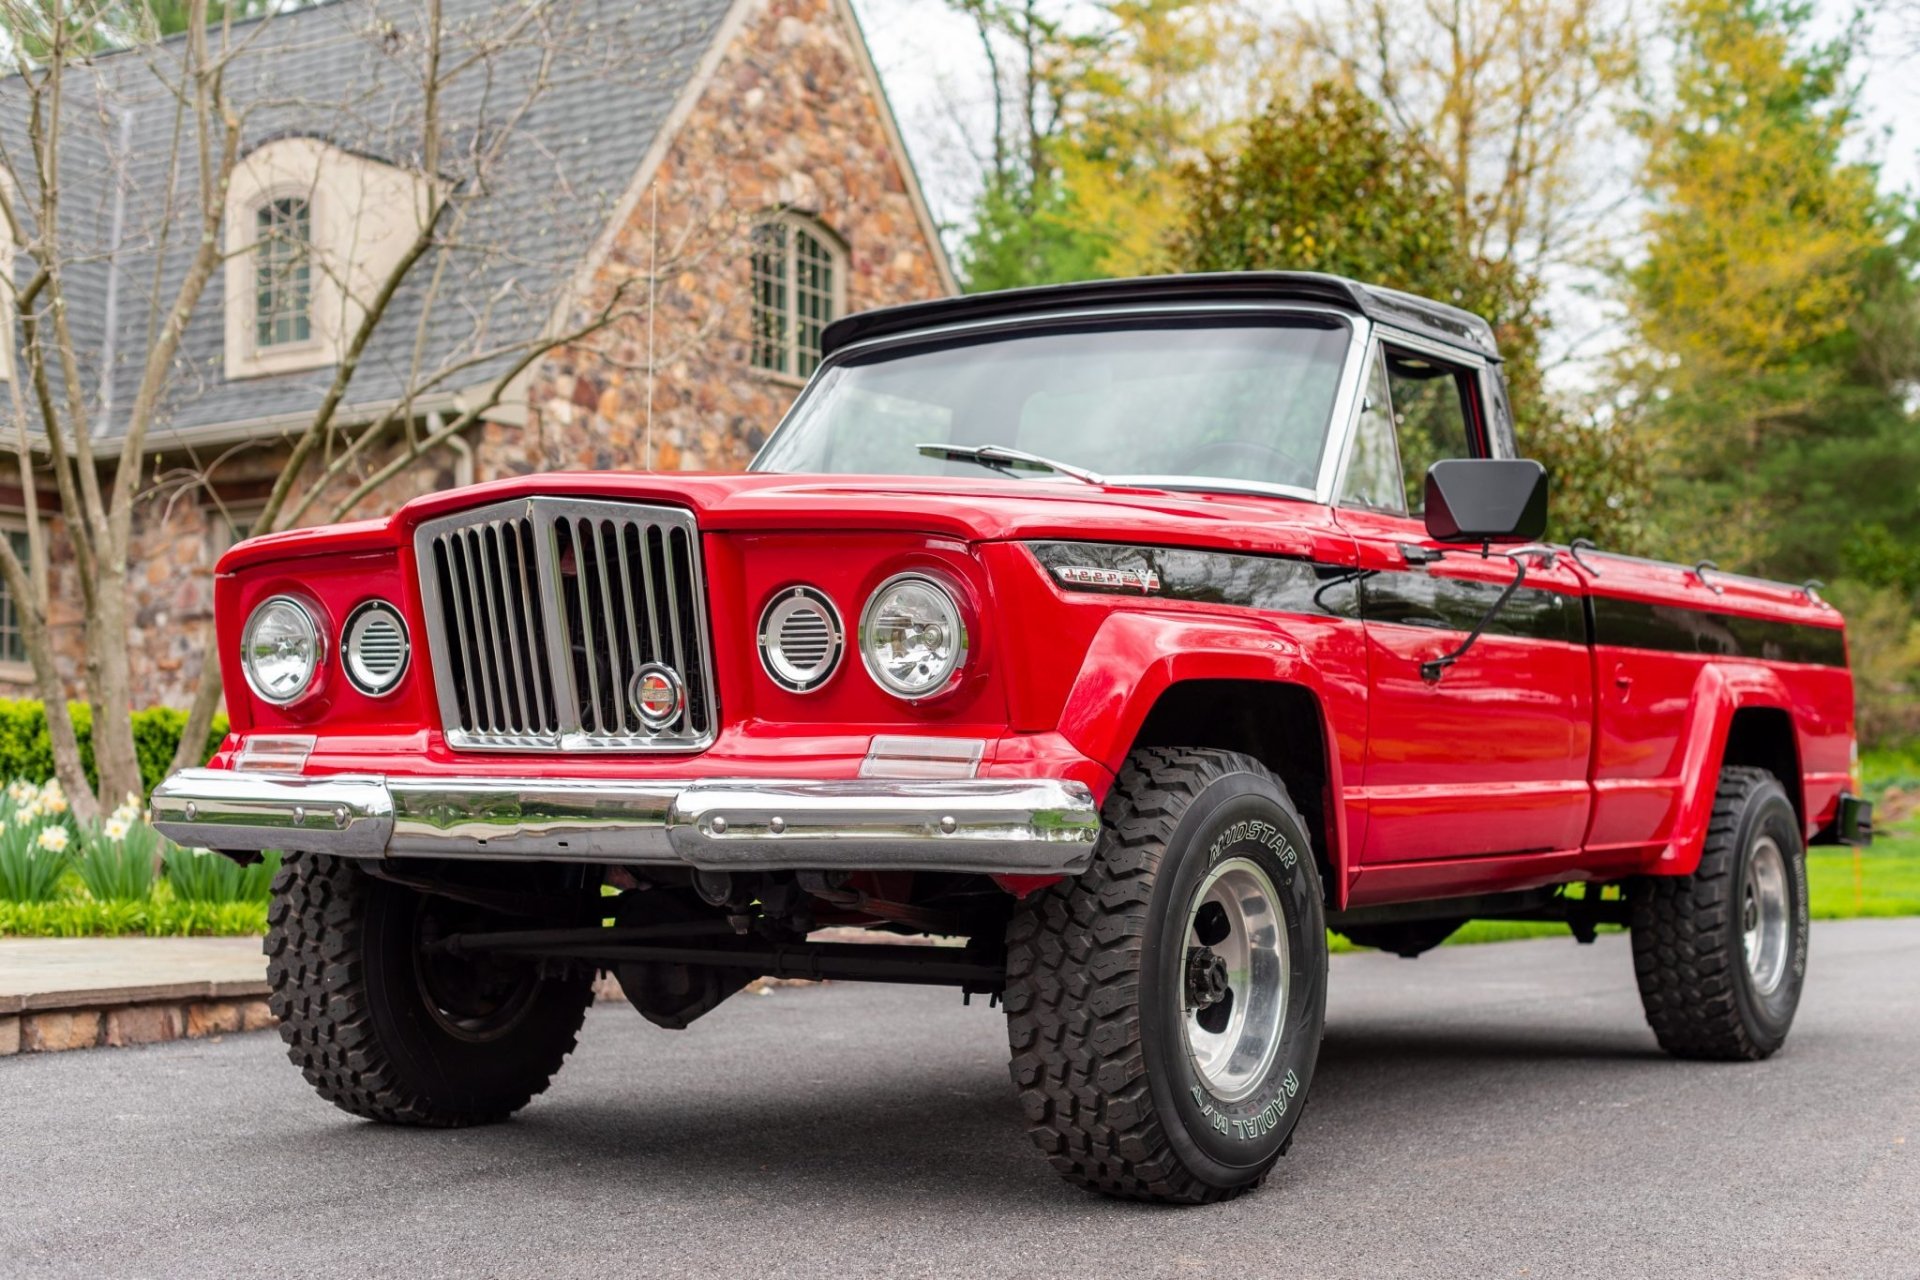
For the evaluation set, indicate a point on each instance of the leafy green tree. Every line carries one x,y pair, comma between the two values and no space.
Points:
1327,184
1026,232
1776,305
1095,106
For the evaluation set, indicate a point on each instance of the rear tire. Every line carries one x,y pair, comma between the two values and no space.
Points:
390,1031
1165,1007
1721,955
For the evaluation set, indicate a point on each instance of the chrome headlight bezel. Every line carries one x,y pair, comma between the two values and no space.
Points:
954,619
315,635
363,613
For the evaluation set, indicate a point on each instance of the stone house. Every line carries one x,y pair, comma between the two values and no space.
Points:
737,157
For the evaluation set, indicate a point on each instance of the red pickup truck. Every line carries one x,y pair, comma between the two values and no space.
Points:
1124,636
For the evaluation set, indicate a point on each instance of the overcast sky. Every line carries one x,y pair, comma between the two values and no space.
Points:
937,80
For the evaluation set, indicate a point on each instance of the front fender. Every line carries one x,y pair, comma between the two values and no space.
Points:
1721,689
1134,658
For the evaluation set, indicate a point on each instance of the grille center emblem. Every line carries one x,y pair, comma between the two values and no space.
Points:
657,695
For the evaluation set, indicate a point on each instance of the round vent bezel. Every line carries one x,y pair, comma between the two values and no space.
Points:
348,631
782,606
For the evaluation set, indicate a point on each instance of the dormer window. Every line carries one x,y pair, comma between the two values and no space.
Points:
283,273
312,233
798,278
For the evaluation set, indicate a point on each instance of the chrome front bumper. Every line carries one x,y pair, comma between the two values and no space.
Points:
1021,826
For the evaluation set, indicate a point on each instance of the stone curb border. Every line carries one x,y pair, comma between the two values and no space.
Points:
115,1019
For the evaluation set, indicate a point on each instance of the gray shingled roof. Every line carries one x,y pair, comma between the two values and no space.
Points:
333,72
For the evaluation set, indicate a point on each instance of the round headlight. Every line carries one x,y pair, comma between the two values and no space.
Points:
911,636
280,650
374,647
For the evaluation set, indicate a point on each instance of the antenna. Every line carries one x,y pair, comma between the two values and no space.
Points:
653,283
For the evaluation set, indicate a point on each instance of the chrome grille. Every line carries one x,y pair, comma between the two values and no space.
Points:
541,611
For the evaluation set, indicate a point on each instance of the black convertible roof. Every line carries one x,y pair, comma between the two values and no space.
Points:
1435,320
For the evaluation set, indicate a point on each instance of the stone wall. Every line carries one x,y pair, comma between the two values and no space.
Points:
788,121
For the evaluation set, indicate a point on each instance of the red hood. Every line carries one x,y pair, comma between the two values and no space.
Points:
983,510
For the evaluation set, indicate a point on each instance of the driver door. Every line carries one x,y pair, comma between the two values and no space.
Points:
1490,758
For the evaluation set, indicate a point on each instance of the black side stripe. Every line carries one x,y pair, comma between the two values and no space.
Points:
1410,598
1673,628
1415,598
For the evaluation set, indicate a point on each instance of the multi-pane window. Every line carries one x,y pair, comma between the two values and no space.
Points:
283,267
13,646
794,290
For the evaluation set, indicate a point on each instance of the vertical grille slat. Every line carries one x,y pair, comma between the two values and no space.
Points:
637,651
527,579
497,562
541,611
469,637
608,617
505,689
483,633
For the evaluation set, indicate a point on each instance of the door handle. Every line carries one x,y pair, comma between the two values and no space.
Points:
1623,681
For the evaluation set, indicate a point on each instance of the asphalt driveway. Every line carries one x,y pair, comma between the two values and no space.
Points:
1495,1110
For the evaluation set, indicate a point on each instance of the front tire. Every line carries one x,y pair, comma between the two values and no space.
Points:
388,1028
1721,955
1165,1008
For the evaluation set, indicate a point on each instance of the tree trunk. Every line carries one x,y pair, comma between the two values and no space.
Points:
110,687
206,700
60,734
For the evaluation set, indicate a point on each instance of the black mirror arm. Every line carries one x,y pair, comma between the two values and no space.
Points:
1432,669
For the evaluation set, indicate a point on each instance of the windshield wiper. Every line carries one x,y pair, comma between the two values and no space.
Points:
1002,459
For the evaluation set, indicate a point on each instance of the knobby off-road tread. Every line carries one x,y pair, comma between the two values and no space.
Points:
1684,952
317,975
1073,1012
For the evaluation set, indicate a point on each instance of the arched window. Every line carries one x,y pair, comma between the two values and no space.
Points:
798,276
282,273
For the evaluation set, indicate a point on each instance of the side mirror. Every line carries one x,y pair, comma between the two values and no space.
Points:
1486,500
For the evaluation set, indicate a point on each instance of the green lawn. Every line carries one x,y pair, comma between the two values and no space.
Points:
1883,880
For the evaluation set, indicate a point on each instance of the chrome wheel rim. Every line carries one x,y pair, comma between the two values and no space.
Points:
1765,916
1234,972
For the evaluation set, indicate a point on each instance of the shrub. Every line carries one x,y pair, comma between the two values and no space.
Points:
26,750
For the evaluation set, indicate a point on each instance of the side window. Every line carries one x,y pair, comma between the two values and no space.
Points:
1432,411
1372,478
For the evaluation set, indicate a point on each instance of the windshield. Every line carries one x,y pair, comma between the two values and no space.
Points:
1236,400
